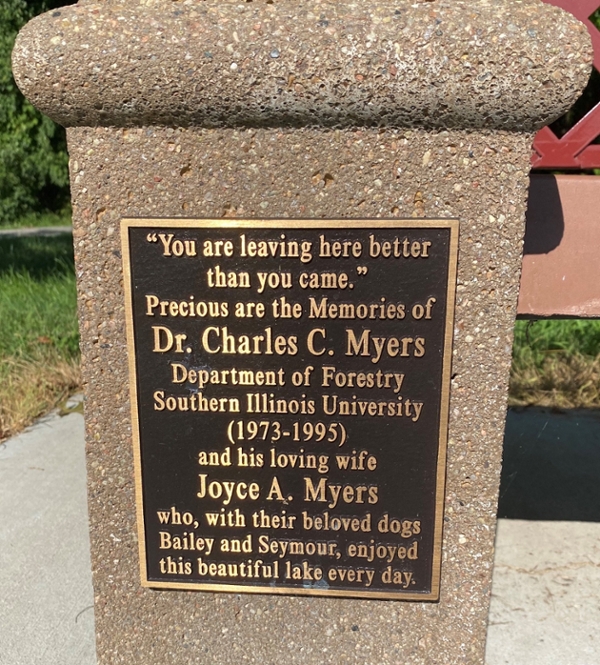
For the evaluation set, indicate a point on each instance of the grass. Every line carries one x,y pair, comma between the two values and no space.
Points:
556,363
39,354
41,219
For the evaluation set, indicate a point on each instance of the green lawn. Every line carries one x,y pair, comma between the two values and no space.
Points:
38,327
40,219
536,340
555,363
37,296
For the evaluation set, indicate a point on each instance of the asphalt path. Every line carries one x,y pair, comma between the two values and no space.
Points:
36,231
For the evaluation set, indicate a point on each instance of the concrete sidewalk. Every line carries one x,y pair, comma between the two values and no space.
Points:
46,599
546,592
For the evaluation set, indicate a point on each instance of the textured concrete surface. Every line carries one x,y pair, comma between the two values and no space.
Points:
545,595
451,63
46,603
479,178
352,161
545,607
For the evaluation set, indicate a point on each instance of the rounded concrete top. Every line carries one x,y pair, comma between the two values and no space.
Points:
504,64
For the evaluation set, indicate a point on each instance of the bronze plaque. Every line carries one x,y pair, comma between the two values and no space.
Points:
289,388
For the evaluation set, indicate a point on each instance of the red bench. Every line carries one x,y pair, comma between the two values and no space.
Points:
561,267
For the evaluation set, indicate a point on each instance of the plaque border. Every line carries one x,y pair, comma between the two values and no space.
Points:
453,225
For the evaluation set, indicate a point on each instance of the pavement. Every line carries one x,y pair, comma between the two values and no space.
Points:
546,588
36,231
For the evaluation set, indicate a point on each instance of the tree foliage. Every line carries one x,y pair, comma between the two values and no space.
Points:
33,155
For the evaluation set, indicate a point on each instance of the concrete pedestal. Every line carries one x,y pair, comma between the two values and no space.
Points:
319,110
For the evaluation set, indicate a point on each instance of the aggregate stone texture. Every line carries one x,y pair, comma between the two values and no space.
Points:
452,63
479,178
311,110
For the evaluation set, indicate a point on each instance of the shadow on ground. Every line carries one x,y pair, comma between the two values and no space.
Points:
551,468
39,257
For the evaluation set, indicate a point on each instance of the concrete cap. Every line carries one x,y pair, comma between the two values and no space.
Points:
502,64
